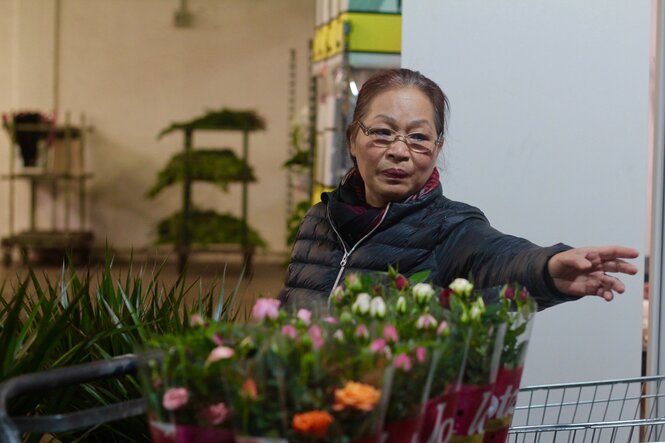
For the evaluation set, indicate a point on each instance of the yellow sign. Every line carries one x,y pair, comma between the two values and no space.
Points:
358,32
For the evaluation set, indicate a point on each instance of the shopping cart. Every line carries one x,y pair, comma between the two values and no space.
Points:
611,411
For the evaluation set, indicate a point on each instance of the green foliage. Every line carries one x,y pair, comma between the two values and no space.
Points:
219,166
79,319
300,159
295,219
207,227
224,119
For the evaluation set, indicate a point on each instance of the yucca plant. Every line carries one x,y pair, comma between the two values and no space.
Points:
83,318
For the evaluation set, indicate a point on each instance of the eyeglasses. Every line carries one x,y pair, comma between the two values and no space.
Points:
416,141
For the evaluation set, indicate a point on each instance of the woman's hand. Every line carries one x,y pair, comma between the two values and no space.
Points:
582,271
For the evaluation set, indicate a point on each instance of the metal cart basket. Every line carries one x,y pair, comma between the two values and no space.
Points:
622,410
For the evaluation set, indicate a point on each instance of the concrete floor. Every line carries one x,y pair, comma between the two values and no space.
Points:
202,272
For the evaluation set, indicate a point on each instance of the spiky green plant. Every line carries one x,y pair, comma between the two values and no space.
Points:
81,318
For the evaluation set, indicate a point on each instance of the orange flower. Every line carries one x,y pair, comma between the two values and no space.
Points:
314,423
357,396
249,389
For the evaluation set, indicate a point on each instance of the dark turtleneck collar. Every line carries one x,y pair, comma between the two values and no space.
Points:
351,213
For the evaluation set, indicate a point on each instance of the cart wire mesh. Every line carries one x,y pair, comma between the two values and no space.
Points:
621,410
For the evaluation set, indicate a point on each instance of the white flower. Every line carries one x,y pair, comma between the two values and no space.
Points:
400,305
377,307
461,286
477,309
422,292
362,303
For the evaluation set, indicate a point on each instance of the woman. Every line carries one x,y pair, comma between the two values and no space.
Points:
389,210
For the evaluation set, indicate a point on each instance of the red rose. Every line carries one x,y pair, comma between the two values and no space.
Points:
401,282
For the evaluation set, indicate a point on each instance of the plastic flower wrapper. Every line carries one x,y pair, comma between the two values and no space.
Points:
517,309
180,380
357,382
403,318
294,355
477,341
254,388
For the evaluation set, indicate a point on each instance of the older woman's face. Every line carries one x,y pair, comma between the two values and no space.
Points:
394,172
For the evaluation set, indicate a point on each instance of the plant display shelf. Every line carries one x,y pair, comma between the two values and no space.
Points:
187,228
66,181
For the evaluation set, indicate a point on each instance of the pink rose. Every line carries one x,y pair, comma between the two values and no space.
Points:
443,327
315,335
196,320
305,316
377,345
217,339
214,414
402,361
219,353
362,332
265,308
426,321
175,398
290,331
420,354
390,333
330,320
339,335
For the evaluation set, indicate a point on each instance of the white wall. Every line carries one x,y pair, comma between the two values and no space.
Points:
548,136
132,73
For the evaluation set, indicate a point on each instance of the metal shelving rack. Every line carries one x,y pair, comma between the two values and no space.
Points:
61,178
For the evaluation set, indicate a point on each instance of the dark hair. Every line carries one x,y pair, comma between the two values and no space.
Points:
399,78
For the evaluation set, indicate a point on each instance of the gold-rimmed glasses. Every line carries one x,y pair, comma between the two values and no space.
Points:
417,142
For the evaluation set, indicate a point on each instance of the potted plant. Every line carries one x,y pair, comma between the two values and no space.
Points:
28,129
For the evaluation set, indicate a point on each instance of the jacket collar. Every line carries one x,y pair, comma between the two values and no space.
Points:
353,187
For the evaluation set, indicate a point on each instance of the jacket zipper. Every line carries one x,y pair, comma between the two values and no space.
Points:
346,255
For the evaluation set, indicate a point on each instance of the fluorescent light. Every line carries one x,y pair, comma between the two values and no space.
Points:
354,88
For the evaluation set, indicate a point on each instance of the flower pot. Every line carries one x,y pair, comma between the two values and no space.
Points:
28,134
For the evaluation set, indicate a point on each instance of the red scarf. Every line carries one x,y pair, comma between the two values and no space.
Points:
350,211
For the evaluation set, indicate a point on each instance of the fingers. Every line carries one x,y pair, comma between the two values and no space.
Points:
612,252
606,286
617,265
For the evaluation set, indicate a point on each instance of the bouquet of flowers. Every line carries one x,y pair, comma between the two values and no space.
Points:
516,309
180,378
405,321
335,386
395,359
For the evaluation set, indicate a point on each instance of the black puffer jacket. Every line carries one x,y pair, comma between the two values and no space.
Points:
451,239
